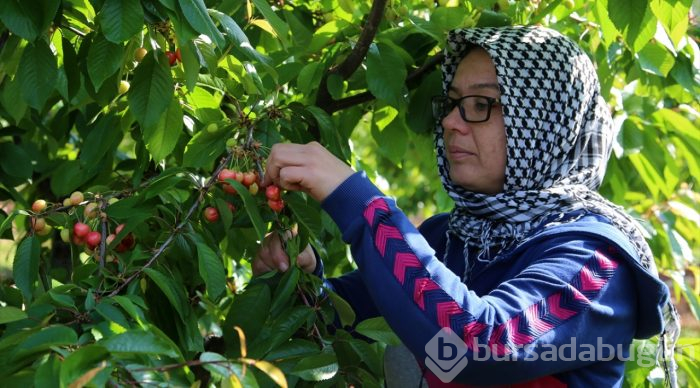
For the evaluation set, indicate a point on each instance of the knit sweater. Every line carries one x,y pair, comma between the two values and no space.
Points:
562,307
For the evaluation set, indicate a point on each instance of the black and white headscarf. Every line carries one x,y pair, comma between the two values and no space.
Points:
559,138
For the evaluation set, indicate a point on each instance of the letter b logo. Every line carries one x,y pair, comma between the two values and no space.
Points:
446,355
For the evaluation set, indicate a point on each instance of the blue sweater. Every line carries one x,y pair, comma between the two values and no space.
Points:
566,304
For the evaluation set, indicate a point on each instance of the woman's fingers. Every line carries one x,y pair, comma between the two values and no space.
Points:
272,256
306,167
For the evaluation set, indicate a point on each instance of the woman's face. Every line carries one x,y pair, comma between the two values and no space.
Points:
476,151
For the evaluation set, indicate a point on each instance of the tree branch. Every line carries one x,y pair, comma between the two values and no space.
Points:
323,99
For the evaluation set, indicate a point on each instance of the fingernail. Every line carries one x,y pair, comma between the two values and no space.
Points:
283,267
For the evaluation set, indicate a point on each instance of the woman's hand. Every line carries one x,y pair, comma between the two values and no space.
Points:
272,256
305,167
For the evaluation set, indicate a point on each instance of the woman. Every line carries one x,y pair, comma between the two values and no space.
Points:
531,259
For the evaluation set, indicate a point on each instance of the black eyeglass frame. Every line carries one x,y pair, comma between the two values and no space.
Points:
442,101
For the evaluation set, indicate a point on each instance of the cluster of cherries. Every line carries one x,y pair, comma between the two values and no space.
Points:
81,234
249,179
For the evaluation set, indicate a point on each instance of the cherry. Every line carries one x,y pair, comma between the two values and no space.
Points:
78,240
275,205
272,192
76,198
67,202
123,86
38,224
81,230
248,178
140,53
38,206
230,207
172,58
253,188
211,214
90,211
227,174
65,235
93,239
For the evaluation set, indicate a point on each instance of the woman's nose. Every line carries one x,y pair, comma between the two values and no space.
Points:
454,122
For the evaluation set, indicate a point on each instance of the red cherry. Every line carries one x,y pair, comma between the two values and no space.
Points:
38,206
93,239
275,205
81,230
178,55
248,178
227,174
211,214
78,240
272,192
230,207
172,58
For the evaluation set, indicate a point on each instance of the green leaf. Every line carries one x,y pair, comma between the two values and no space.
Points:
204,148
172,291
378,330
48,374
28,19
103,139
306,212
217,365
278,25
317,367
634,20
236,35
386,74
151,89
15,161
121,19
37,74
343,308
673,17
212,270
112,314
25,267
162,138
285,289
82,361
251,208
287,324
11,314
330,136
139,342
57,335
273,372
104,59
195,11
656,59
248,311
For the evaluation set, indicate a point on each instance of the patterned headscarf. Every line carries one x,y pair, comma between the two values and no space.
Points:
559,138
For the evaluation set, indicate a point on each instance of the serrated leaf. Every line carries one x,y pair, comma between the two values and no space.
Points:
306,213
28,19
204,148
317,367
285,289
80,362
25,267
386,74
48,374
172,291
656,59
251,208
11,314
56,335
151,89
271,371
121,19
139,342
236,35
103,139
15,161
249,310
281,29
196,13
104,59
343,308
378,330
37,74
212,270
162,138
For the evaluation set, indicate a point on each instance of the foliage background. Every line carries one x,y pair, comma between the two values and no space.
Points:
356,76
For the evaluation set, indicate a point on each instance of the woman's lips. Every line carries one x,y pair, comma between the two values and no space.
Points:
457,153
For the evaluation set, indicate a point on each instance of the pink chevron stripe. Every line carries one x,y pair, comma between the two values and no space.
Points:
495,343
589,281
383,234
421,286
372,207
532,314
555,308
402,261
578,295
445,310
471,332
605,262
513,330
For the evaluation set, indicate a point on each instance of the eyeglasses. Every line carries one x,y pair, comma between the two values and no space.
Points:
473,109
